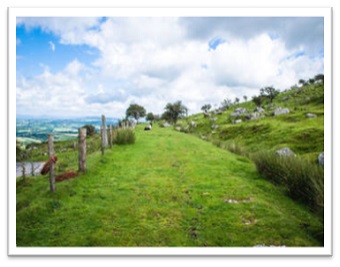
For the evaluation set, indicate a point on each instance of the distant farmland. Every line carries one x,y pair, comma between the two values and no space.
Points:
30,131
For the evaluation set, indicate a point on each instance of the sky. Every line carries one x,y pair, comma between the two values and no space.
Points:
86,66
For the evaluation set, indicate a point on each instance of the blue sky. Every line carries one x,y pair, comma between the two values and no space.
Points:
101,65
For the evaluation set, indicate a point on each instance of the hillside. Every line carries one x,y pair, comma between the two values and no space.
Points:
168,189
265,132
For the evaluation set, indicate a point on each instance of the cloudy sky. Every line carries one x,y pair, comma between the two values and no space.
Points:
74,66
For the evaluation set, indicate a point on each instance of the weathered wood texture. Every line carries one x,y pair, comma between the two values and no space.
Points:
51,153
82,150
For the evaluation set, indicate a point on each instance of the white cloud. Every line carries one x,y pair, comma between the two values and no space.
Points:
153,61
52,45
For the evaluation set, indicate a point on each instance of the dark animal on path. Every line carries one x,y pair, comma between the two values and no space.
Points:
147,128
47,166
66,175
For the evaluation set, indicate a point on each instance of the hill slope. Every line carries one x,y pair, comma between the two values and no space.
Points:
303,135
168,189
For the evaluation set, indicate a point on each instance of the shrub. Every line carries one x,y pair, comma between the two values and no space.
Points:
90,130
124,136
302,179
237,149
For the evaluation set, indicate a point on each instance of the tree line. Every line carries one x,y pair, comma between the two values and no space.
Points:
176,110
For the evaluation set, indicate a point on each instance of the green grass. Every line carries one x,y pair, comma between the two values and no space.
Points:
168,189
305,136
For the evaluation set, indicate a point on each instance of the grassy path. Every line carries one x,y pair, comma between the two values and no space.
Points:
168,189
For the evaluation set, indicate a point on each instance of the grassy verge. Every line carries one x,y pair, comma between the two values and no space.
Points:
167,189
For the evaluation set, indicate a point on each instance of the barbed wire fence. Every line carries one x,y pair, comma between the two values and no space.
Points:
72,154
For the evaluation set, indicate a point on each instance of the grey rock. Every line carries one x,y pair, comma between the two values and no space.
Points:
166,124
259,109
206,115
241,110
321,158
280,111
238,121
285,152
235,114
177,128
193,124
213,119
214,126
253,116
311,115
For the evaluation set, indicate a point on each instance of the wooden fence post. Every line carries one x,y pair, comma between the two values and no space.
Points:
102,132
51,153
110,133
82,150
104,127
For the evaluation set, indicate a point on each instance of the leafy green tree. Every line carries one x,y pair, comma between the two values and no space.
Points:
135,111
150,117
226,104
206,107
90,130
257,100
311,81
174,111
319,77
237,100
245,98
269,92
302,82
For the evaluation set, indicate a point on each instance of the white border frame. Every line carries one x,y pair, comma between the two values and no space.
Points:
326,13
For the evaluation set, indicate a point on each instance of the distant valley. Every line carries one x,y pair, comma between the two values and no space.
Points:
37,130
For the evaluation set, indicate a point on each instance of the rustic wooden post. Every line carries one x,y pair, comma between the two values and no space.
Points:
32,169
23,170
110,133
82,150
104,127
103,131
51,153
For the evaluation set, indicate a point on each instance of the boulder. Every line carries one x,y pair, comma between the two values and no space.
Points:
280,111
193,124
285,152
238,121
206,115
241,110
321,158
213,119
253,116
259,110
214,126
177,128
235,114
166,124
311,115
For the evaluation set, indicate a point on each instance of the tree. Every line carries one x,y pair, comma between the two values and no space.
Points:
257,100
237,100
269,92
245,98
174,111
90,130
302,82
226,104
135,111
150,117
311,81
206,107
319,77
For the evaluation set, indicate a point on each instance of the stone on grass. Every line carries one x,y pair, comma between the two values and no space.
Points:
285,152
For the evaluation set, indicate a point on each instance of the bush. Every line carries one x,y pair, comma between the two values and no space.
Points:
124,136
90,130
303,180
